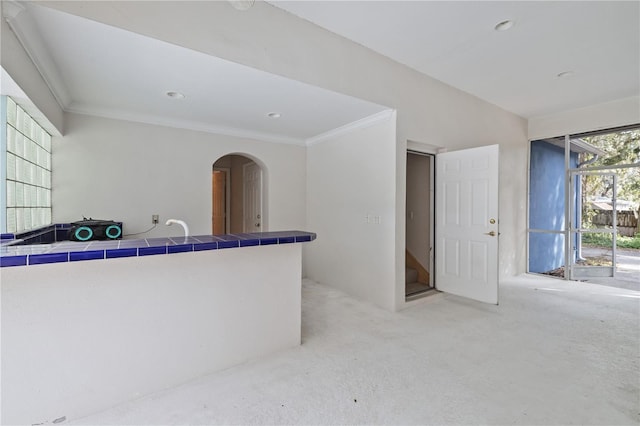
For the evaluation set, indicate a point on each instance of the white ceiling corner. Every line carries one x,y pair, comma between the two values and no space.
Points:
455,42
24,27
113,73
359,124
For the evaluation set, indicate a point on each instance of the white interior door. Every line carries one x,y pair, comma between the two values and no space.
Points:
466,245
252,194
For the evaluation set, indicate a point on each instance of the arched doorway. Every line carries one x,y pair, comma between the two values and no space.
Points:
237,195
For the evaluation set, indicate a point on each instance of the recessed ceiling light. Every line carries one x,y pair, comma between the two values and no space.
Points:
273,115
242,4
504,25
175,95
565,74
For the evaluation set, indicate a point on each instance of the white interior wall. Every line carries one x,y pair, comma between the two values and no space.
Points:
113,169
428,110
607,115
81,337
350,205
418,212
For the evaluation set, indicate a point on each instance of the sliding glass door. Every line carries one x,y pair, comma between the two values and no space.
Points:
593,240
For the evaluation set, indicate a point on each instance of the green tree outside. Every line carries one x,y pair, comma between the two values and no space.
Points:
620,148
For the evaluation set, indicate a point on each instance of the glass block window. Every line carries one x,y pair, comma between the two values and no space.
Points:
28,171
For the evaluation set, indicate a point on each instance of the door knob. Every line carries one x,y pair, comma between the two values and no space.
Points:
257,225
492,233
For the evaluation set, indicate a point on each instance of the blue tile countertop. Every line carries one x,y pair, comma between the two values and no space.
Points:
70,251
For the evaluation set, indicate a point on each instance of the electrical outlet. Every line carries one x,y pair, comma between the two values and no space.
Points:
155,218
373,219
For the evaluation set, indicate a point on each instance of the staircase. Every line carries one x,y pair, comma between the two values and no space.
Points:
412,286
410,275
416,278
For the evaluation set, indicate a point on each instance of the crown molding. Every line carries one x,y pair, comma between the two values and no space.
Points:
422,147
23,26
11,9
185,124
358,124
22,23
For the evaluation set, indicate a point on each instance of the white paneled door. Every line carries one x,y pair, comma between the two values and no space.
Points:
252,205
466,246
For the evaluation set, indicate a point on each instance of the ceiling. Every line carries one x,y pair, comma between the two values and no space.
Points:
455,42
115,73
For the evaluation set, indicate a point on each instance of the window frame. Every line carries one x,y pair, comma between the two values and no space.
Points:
32,170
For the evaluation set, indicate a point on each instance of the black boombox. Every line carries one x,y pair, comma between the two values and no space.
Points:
90,229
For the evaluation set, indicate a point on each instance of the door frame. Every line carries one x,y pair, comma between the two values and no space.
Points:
432,173
244,196
425,148
227,201
401,302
